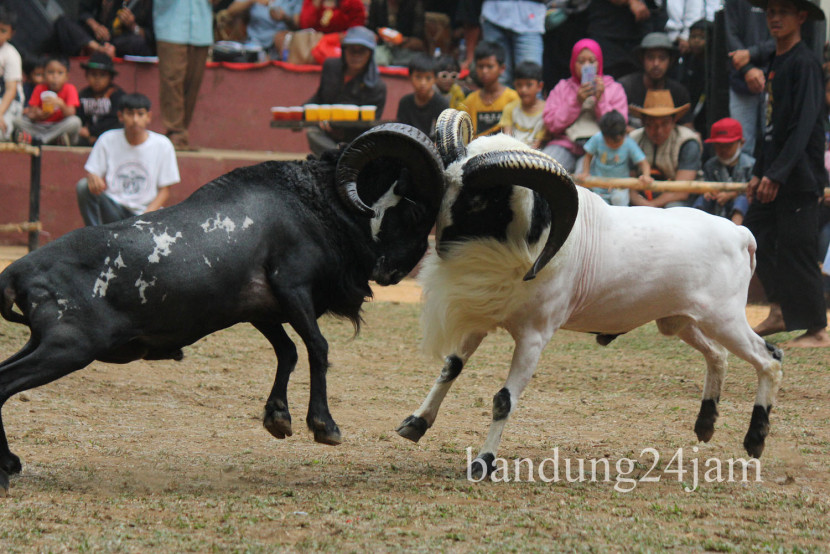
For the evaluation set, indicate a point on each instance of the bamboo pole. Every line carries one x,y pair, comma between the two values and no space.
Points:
25,227
19,147
697,187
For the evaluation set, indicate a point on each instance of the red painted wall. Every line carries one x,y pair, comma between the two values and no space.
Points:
233,113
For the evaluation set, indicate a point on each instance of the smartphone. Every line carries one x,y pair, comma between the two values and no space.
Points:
589,72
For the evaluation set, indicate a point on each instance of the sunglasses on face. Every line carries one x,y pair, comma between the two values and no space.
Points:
447,74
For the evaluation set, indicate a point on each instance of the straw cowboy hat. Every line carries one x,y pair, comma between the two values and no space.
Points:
814,12
659,103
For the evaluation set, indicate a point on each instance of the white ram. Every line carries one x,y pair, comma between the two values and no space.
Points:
599,269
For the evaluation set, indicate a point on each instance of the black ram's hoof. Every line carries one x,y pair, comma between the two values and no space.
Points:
4,483
754,442
278,423
704,429
758,431
482,466
325,433
413,428
10,464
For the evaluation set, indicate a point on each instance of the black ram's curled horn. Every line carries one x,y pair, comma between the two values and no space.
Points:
453,131
540,173
395,140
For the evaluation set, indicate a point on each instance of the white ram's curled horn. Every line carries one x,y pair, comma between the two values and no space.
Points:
453,131
392,140
540,173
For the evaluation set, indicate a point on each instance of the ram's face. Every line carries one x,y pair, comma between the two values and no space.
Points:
400,229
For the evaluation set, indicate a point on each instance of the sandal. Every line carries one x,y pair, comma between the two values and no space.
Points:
21,137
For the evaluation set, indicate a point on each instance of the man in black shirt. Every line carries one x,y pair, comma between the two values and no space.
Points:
789,178
656,54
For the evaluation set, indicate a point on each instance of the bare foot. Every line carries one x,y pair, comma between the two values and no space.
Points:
774,323
817,338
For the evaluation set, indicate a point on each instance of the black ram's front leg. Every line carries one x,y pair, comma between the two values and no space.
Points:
277,419
301,317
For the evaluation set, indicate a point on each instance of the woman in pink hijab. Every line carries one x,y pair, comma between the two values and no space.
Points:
575,105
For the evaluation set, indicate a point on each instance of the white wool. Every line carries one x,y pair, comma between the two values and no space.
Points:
460,298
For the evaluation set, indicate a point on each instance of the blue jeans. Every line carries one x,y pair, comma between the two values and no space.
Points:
565,157
519,47
98,209
748,109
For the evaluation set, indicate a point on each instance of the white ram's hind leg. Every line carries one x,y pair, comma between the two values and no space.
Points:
529,347
414,426
739,338
716,363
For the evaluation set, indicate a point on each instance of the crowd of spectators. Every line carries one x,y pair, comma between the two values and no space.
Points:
559,74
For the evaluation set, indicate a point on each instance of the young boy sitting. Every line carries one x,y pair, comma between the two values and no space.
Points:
11,75
129,170
522,118
729,165
33,69
486,105
612,154
50,115
99,100
422,107
446,73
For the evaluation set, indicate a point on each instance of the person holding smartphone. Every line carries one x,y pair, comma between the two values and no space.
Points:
576,104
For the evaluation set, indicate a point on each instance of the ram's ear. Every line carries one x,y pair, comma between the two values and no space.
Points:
412,148
540,173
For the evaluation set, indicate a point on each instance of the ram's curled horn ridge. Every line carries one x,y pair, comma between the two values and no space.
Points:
540,173
395,140
453,131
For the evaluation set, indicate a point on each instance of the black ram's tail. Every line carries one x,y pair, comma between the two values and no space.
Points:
7,298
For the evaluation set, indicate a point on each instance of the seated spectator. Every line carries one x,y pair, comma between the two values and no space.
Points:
127,25
99,100
332,16
486,105
109,192
11,76
50,115
522,118
446,81
673,150
422,107
33,68
267,21
612,154
691,73
400,25
353,78
656,54
576,104
729,165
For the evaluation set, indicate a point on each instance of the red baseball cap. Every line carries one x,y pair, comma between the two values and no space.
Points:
726,130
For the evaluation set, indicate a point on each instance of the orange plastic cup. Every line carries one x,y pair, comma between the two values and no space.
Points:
325,112
312,112
351,112
367,113
338,112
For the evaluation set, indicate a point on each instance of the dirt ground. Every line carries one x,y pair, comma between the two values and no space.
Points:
172,457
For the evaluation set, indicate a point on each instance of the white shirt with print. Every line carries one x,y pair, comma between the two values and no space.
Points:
134,173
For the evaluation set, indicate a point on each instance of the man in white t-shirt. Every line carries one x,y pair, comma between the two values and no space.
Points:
129,170
11,76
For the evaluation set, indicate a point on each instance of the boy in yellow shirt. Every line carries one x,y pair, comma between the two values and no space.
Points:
486,105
